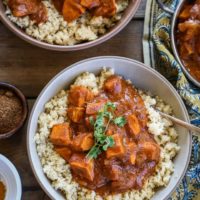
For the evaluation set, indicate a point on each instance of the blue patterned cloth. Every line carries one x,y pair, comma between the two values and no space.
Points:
158,54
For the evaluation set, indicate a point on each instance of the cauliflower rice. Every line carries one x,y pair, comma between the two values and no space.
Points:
57,31
58,171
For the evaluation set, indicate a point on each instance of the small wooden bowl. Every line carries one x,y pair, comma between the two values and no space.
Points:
23,100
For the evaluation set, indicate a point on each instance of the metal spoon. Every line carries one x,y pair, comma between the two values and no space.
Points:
180,122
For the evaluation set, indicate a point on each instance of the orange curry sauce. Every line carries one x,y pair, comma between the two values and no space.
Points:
188,37
2,191
135,154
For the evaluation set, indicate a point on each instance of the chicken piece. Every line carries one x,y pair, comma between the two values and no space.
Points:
131,149
185,13
41,15
76,114
61,134
151,150
133,124
82,166
64,152
83,142
191,32
107,8
21,8
195,11
90,3
72,10
79,95
118,149
34,8
113,85
191,28
93,108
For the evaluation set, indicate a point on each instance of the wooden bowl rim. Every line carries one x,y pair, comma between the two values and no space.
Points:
23,100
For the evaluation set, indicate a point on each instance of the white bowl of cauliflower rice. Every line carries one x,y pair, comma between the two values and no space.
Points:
66,25
94,133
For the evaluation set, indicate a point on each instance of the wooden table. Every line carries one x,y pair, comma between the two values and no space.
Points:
30,68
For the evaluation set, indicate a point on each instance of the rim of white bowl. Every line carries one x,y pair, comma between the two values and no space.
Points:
119,58
15,173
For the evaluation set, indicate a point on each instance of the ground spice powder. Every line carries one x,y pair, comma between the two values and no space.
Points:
10,111
2,191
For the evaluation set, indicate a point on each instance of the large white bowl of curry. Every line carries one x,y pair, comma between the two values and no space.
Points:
142,77
126,18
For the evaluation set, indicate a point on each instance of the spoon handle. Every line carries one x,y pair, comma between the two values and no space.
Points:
181,122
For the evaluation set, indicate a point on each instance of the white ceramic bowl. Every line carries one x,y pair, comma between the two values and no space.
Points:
126,18
11,179
142,77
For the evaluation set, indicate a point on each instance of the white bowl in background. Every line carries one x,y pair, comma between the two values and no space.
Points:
142,77
126,18
10,177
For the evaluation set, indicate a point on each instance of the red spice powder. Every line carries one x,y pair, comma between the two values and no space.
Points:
11,111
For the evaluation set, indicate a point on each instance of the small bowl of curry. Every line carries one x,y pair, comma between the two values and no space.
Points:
188,41
185,30
10,184
13,110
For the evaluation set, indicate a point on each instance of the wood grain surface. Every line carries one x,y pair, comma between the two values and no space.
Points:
30,68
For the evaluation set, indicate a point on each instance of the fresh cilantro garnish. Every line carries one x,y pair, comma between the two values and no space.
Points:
104,117
111,105
120,121
109,143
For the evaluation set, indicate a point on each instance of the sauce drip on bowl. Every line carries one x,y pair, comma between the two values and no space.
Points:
2,191
122,166
187,35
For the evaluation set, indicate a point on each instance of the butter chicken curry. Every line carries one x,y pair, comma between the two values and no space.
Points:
70,9
188,37
106,141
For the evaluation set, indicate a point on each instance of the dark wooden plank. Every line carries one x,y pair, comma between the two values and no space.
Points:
34,195
30,68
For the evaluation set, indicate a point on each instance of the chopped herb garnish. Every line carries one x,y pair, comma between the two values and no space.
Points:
103,119
120,121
